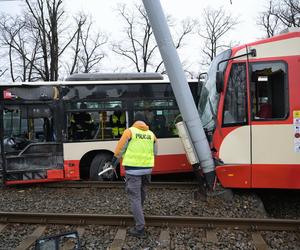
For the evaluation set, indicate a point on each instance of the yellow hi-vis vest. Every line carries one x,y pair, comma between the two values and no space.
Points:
140,149
119,124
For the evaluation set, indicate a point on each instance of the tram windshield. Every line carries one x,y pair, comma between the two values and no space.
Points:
209,98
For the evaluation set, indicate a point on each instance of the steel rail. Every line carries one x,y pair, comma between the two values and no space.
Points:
116,184
156,221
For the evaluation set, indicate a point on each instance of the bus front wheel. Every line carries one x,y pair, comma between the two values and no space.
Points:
98,164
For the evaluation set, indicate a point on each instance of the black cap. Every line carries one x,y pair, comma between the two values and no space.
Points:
139,116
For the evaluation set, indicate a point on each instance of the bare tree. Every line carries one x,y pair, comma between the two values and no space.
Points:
91,48
80,22
278,15
139,46
21,48
88,49
288,12
187,28
217,24
269,22
47,18
37,40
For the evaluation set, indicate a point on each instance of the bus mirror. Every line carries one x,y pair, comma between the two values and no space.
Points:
219,81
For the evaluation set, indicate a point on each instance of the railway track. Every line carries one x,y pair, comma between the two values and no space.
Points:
116,184
160,221
109,231
165,225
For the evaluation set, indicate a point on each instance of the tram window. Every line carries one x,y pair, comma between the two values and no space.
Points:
269,91
235,100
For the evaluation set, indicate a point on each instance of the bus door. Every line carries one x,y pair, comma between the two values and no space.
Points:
30,136
272,149
234,133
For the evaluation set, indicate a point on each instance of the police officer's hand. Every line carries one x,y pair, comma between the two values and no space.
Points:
114,162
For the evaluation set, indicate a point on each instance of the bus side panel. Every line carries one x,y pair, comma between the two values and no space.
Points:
276,176
71,170
171,164
55,174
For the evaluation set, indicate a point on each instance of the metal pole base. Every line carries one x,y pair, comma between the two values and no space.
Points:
201,193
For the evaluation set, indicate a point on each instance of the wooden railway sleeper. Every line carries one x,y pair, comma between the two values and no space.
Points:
2,226
259,241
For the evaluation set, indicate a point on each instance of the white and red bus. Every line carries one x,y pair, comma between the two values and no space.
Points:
59,131
250,107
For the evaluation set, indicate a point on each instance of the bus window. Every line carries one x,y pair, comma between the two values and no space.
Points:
160,116
81,123
117,122
32,93
12,122
235,100
25,123
269,90
91,120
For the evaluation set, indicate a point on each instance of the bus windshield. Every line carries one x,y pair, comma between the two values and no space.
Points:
209,97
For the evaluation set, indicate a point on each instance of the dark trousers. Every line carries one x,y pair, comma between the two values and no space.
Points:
136,190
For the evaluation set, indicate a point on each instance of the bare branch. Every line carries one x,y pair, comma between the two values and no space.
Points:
3,72
268,21
288,12
92,47
140,47
80,22
279,15
217,24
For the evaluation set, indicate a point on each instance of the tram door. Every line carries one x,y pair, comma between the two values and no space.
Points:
272,151
235,149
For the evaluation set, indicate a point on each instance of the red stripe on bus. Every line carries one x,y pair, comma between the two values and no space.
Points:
30,181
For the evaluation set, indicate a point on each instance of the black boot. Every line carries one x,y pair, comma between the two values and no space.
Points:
139,233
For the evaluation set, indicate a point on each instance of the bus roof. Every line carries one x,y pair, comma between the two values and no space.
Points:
57,83
115,76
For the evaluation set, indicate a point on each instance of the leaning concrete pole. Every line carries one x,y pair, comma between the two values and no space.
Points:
180,87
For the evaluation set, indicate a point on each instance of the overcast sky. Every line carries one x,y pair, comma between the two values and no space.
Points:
106,18
247,31
103,12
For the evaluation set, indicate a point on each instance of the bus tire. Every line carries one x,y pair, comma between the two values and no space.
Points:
97,166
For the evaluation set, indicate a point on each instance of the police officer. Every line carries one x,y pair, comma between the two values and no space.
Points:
81,124
118,123
139,145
